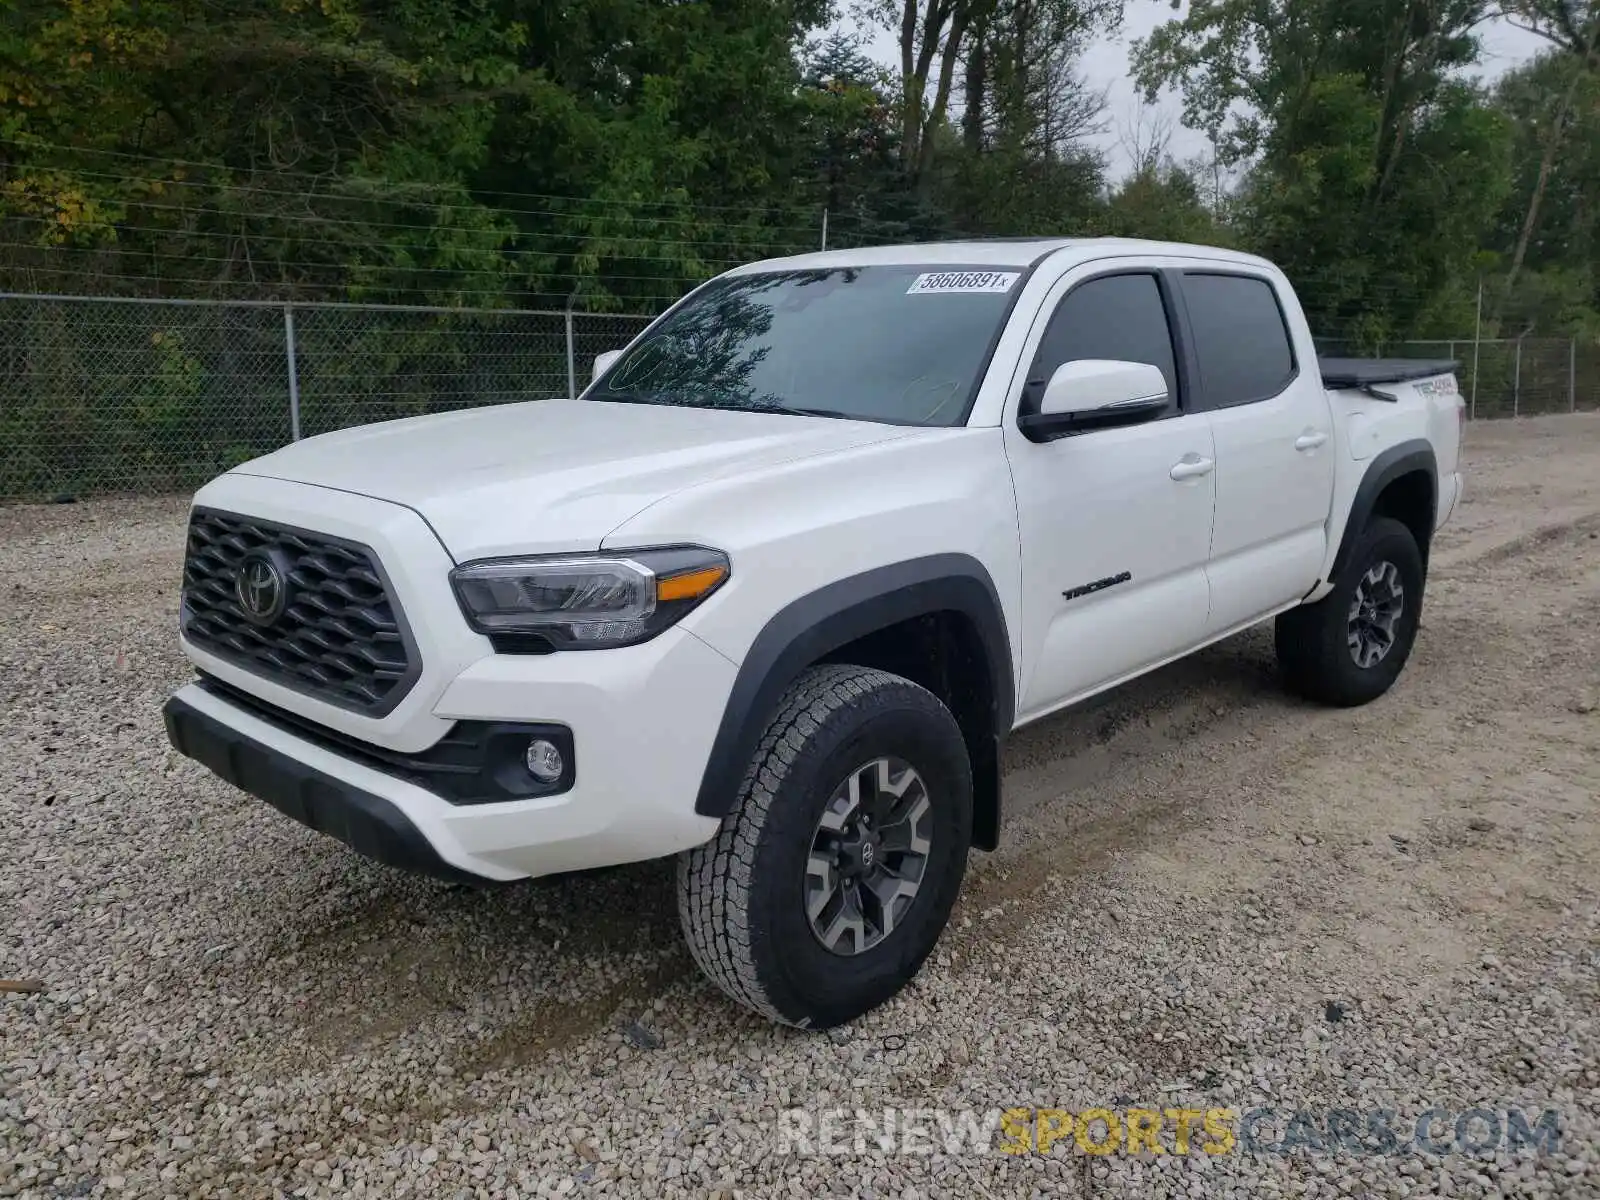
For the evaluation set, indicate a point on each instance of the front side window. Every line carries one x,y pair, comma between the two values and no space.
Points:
1240,338
899,344
1118,317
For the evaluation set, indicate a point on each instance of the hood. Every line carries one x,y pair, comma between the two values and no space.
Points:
551,475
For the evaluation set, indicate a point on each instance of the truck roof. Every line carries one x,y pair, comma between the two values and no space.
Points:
993,252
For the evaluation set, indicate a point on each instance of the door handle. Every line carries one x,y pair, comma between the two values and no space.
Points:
1310,439
1192,466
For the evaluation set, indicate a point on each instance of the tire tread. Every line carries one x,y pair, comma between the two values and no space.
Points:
715,880
1311,641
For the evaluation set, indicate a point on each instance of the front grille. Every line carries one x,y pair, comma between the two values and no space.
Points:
335,632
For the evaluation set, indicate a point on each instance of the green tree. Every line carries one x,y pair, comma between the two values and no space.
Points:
268,143
851,139
1573,26
1017,54
402,149
1373,166
675,122
1556,285
1163,201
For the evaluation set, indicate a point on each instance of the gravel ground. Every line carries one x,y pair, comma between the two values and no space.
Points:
1211,897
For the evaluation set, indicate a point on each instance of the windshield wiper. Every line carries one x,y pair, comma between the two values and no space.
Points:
630,397
800,410
665,397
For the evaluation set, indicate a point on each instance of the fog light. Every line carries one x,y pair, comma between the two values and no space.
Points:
544,761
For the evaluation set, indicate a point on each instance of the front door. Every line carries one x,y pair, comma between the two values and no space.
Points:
1116,523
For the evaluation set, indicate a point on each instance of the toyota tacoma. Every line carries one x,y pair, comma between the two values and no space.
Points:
772,592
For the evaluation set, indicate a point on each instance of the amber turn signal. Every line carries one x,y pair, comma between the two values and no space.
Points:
691,585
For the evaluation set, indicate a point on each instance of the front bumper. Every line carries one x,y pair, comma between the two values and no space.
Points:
362,820
642,720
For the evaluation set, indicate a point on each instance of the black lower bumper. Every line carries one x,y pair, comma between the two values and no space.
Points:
366,823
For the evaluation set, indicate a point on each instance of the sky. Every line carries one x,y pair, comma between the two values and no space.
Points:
1105,66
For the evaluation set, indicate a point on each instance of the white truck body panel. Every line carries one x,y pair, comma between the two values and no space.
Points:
1110,552
553,475
936,491
1427,410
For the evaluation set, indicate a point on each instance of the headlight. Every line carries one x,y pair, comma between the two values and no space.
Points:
588,601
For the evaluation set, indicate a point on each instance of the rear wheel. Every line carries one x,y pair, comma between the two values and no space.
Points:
1350,647
835,871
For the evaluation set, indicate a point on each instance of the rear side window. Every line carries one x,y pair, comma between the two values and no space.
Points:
1116,316
1240,338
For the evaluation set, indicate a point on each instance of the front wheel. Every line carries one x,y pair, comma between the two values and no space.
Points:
834,873
1349,647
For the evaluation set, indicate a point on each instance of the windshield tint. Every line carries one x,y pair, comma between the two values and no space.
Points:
902,344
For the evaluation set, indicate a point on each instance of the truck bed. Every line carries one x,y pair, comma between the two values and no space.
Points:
1365,372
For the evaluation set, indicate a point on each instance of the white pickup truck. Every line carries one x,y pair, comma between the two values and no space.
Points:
772,592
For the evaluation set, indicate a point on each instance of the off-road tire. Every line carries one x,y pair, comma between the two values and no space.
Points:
741,895
1313,641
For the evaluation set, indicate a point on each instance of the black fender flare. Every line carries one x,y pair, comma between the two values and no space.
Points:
818,623
1403,459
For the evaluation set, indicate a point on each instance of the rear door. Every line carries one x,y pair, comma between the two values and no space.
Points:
1115,524
1273,430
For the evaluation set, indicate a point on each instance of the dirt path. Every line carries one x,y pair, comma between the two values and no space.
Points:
1198,871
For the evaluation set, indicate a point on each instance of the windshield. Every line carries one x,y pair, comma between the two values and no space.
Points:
900,344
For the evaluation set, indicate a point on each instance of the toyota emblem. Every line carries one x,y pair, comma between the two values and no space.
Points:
260,588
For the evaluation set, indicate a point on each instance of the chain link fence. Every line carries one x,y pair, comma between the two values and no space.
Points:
1506,377
105,396
102,396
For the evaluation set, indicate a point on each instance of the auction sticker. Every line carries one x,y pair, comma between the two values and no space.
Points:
963,281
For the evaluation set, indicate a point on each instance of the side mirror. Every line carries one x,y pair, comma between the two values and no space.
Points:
1096,393
602,362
